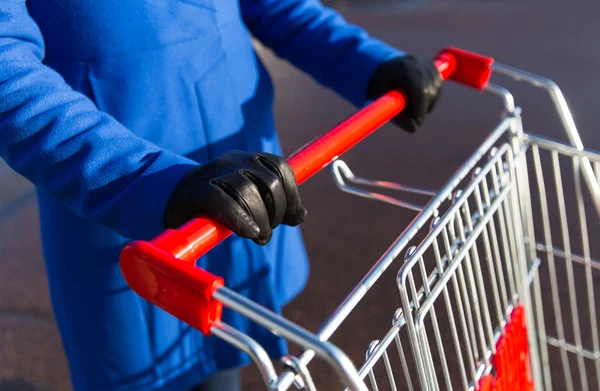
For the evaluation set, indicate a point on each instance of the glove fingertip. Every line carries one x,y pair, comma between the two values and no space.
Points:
406,123
298,217
249,230
264,239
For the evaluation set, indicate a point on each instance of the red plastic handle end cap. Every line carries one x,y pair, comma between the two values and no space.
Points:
472,69
181,289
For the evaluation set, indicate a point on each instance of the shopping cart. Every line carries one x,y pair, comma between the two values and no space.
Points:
483,304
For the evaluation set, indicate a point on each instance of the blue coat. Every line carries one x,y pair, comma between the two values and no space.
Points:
104,105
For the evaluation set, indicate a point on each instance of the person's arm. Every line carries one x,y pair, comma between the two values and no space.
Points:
343,56
319,41
59,140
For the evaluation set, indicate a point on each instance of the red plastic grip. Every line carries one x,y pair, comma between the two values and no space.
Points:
473,70
179,288
155,270
323,150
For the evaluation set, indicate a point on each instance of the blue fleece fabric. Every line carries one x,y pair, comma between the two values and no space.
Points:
104,105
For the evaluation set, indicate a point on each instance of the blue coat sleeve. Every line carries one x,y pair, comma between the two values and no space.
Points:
59,140
319,41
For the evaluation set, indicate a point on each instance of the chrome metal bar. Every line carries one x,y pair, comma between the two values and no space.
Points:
533,271
521,233
592,263
518,142
372,379
588,271
435,274
457,345
342,173
429,365
522,214
429,371
541,330
461,312
454,265
390,373
450,251
377,352
295,365
281,326
512,242
507,98
560,194
493,259
397,318
543,363
539,357
413,339
555,93
566,118
519,178
457,260
507,248
465,296
480,288
249,346
551,264
404,363
512,266
468,262
570,348
436,329
562,148
451,213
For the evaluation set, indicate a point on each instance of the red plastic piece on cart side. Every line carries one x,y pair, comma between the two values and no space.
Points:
486,383
177,287
511,361
472,69
445,63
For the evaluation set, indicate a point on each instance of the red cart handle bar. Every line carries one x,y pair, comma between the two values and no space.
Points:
163,270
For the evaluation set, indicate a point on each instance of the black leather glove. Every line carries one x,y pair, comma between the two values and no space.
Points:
418,78
249,193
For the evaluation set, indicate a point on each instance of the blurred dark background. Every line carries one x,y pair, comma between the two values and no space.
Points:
344,235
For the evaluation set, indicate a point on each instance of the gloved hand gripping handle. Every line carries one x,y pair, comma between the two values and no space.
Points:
163,270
